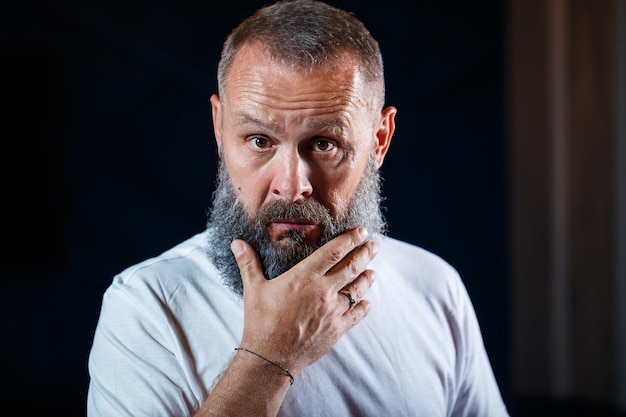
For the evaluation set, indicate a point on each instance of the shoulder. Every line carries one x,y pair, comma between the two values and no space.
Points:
412,258
406,267
185,264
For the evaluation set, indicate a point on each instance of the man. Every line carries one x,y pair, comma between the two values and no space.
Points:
273,310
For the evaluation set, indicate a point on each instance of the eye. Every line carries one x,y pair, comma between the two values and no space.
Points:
259,142
323,145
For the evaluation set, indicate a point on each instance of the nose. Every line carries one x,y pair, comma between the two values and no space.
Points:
291,180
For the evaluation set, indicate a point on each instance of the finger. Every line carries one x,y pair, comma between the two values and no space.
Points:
359,287
333,252
351,300
248,262
353,265
356,314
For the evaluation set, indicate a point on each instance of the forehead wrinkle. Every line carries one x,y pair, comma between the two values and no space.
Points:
256,87
343,98
336,125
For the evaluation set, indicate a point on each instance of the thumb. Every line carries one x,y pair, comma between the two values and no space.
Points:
248,262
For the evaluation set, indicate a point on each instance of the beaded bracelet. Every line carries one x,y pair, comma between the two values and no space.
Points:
286,371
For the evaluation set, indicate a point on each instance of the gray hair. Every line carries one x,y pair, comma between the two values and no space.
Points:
306,34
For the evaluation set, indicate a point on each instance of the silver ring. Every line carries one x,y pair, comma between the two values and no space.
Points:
350,298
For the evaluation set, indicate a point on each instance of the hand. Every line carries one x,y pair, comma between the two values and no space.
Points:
297,317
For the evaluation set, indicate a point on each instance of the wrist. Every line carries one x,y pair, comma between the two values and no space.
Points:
275,366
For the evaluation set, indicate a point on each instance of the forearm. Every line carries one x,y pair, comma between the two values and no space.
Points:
249,386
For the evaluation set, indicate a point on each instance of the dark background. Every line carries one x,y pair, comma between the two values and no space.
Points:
108,158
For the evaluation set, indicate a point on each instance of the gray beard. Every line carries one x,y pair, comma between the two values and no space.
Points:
228,220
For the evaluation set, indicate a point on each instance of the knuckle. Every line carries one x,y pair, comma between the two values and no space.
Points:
335,255
372,249
357,293
354,317
353,267
369,275
245,264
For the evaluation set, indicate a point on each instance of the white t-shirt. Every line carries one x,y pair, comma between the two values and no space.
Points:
168,329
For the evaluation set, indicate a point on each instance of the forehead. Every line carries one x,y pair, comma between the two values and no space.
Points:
256,79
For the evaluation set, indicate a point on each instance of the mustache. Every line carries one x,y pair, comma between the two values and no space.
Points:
309,210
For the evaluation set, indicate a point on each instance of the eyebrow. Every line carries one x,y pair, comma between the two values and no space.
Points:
336,125
245,120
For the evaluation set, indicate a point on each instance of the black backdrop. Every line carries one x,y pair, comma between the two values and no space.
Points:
108,159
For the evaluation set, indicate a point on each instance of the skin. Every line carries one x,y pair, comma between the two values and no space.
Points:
286,134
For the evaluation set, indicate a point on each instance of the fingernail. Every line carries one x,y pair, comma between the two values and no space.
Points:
375,248
236,248
362,232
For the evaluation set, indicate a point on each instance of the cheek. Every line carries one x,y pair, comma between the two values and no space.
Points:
248,183
338,188
339,197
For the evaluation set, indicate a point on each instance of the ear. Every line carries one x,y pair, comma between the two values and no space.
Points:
216,110
384,134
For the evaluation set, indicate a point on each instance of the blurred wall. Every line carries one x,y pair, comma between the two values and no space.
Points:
567,153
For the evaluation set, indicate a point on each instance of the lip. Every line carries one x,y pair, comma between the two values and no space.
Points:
293,224
278,230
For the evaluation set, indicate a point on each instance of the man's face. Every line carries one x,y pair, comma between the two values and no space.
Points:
288,136
299,161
